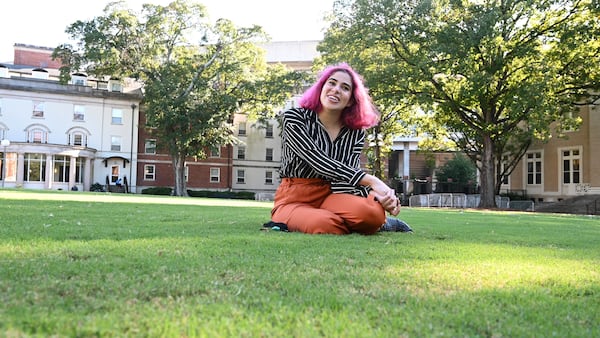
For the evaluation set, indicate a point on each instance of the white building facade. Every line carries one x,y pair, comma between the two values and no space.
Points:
65,137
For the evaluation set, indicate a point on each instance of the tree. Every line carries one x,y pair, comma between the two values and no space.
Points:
191,90
396,114
497,73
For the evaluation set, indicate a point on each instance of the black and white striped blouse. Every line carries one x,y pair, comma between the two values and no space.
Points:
308,152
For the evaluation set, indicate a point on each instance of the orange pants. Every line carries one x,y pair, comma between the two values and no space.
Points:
307,205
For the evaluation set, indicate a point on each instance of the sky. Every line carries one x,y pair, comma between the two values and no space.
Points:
43,23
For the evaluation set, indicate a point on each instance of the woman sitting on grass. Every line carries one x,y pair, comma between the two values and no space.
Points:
323,190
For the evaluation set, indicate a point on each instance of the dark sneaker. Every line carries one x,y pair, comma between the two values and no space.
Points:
395,225
275,226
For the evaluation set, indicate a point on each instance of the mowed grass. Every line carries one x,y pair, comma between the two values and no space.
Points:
101,265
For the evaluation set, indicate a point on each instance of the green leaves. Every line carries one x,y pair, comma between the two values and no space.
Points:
195,75
493,72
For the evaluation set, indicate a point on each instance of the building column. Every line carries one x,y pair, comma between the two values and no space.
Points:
20,171
49,171
87,174
72,171
406,166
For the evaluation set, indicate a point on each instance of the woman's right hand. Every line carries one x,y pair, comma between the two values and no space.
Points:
389,201
384,194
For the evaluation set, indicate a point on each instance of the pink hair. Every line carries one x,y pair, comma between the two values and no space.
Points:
359,115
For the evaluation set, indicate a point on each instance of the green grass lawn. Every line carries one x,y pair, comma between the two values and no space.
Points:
84,264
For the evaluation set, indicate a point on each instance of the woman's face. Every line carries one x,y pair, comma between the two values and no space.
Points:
336,93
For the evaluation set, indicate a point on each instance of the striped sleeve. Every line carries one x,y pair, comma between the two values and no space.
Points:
304,140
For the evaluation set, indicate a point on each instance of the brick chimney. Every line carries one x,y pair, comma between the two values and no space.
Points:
35,56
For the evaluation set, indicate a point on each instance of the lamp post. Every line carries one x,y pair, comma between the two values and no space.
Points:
5,143
130,182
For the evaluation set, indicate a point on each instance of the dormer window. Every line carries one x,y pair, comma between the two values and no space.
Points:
115,85
79,79
3,71
40,73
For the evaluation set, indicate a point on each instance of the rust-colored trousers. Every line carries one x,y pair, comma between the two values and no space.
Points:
307,205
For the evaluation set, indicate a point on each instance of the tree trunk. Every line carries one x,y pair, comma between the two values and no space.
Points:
377,165
179,170
488,175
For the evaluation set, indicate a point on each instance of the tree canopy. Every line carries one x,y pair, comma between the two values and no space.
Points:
195,75
496,73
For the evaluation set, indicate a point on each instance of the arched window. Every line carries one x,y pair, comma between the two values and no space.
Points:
37,133
77,136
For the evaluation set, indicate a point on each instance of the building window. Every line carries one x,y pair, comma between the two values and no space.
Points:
149,172
117,116
269,131
35,167
150,147
77,139
37,134
269,154
115,143
38,109
62,166
241,153
215,175
216,152
241,176
572,124
269,177
78,113
78,80
242,129
115,86
114,173
186,173
79,170
571,166
534,168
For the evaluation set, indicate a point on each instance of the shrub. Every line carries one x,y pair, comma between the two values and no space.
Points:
460,169
457,175
165,191
244,195
97,187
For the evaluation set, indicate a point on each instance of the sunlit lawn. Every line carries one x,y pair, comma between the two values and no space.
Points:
82,264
